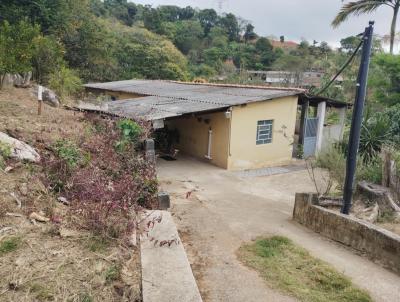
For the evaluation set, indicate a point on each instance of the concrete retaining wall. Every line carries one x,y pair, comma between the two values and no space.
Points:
379,244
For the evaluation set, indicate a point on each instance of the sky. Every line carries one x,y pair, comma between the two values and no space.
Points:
294,19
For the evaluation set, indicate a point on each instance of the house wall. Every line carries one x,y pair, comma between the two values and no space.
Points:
193,136
244,153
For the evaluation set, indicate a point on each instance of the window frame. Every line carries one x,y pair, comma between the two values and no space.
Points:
268,137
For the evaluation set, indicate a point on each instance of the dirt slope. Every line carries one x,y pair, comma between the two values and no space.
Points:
52,261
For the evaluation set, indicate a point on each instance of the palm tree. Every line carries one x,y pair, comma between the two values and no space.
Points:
367,6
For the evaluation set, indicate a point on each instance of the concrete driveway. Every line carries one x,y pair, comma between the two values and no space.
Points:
216,211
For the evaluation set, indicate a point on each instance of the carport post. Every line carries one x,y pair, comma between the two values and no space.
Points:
303,117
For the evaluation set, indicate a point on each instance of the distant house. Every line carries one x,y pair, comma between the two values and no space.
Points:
306,79
235,127
286,45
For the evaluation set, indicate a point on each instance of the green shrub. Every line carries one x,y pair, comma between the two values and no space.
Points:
65,82
130,133
69,152
334,161
371,171
375,133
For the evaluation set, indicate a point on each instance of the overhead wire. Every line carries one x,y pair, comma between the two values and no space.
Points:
347,63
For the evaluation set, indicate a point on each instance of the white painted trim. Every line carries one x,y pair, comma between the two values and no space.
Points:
40,93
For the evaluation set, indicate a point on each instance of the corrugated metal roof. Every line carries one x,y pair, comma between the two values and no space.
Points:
162,99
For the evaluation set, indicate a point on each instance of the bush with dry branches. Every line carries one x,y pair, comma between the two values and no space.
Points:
104,176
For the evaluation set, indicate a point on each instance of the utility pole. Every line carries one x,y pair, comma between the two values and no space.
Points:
355,130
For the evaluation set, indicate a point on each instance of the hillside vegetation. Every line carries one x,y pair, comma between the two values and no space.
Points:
95,40
66,222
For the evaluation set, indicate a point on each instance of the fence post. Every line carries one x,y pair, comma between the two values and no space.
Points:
40,99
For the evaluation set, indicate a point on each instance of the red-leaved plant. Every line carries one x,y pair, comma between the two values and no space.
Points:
108,185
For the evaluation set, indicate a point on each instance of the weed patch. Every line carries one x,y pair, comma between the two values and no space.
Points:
293,270
9,245
86,298
5,153
113,273
97,244
41,292
69,152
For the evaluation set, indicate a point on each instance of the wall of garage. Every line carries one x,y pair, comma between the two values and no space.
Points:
194,132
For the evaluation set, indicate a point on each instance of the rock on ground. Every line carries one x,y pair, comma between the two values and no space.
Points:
20,150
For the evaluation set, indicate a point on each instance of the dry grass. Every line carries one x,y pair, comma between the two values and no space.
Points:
18,108
47,267
390,226
52,261
293,270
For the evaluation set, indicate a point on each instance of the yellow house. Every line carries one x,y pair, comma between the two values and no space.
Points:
234,127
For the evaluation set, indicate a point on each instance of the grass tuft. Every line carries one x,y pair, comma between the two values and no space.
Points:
41,292
113,273
5,153
86,298
291,269
97,244
9,245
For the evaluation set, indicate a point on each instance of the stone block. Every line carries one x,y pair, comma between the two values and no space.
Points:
164,202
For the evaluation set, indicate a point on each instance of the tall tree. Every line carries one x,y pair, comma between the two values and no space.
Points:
384,81
16,48
208,19
249,33
188,35
231,25
367,6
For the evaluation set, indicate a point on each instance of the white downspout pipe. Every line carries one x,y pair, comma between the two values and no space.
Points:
320,129
208,156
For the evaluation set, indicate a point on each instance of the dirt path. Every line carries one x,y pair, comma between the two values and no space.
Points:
224,210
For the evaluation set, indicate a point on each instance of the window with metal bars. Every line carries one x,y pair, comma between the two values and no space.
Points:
264,132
